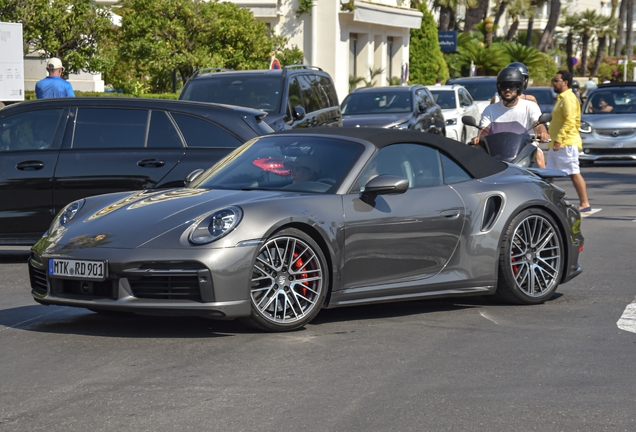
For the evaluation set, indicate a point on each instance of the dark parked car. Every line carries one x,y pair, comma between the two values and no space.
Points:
396,107
481,88
54,151
608,123
297,96
303,220
545,96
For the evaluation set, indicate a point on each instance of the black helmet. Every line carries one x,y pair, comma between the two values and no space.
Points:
576,85
524,71
510,78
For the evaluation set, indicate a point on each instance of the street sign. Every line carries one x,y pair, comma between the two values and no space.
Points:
11,62
447,40
275,64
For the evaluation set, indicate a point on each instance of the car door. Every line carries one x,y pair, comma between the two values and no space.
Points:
114,149
401,239
29,148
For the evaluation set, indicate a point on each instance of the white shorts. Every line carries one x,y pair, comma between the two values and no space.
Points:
565,159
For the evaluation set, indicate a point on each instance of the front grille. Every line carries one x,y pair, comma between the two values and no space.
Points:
611,151
167,286
615,132
37,275
83,289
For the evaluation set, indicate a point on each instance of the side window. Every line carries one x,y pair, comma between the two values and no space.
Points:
453,173
428,98
330,90
417,163
162,133
201,133
467,96
110,128
323,97
419,98
310,96
294,97
32,130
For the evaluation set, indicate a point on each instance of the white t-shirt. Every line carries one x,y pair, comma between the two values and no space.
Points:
517,119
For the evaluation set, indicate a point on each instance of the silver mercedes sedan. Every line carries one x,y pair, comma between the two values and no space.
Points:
297,221
608,124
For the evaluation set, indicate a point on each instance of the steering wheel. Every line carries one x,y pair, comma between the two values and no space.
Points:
326,180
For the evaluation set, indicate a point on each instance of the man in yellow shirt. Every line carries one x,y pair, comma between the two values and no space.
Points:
563,153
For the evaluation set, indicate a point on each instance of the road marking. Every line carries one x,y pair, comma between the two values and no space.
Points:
586,214
628,319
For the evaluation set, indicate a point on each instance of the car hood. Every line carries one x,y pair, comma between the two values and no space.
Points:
131,220
374,120
609,121
454,113
482,105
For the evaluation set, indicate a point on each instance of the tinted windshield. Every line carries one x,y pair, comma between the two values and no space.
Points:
303,164
482,90
260,92
377,102
445,98
611,101
543,96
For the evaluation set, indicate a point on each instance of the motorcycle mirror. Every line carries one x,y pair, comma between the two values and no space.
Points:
470,121
545,118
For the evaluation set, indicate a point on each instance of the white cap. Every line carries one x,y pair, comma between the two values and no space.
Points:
54,63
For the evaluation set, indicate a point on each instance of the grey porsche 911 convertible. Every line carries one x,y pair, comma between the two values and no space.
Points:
297,221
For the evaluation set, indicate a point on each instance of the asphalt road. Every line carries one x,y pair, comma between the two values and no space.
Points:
454,365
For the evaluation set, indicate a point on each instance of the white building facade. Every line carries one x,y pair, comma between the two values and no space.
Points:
342,42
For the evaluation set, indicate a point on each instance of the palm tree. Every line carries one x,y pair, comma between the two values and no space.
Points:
516,8
548,32
589,22
570,23
606,30
618,48
447,9
529,56
487,60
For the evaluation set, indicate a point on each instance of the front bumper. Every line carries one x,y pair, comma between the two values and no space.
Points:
599,147
214,283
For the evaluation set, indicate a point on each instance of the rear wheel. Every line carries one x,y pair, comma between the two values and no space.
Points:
290,281
530,262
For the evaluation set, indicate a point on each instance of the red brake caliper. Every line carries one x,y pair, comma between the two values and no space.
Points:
299,264
515,268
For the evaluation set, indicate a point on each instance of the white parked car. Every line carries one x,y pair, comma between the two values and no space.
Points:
456,102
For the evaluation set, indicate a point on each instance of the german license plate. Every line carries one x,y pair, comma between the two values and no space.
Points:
77,269
616,145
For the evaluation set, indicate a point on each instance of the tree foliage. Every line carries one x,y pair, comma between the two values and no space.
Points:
426,61
73,30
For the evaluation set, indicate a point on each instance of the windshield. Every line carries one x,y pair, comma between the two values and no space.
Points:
480,91
292,163
506,145
377,102
543,96
445,98
611,101
260,92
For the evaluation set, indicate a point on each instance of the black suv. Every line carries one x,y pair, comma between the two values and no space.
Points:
54,151
294,97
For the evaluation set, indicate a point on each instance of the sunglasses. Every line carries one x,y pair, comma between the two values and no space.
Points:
509,85
556,80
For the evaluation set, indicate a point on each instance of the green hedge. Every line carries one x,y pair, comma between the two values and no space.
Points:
30,95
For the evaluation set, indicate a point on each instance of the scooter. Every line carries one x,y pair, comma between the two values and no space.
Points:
517,149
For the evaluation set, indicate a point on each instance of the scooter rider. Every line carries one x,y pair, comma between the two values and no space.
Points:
512,113
526,79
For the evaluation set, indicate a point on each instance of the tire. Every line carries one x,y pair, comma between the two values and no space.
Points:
531,259
290,281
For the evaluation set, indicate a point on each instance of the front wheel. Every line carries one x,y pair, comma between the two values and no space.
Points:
530,262
290,281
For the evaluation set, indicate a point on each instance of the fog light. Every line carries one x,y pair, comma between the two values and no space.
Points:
586,151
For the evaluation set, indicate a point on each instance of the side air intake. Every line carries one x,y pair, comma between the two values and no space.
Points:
491,212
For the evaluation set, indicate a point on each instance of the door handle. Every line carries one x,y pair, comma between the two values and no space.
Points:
30,165
152,163
450,214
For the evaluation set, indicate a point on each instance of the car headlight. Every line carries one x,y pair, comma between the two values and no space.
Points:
451,122
404,125
585,127
215,225
65,215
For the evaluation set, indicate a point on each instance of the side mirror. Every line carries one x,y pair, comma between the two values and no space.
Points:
470,121
386,184
545,118
298,112
193,175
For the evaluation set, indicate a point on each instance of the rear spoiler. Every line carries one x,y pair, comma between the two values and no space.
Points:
547,174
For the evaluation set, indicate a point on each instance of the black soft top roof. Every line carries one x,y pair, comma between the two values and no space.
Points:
474,159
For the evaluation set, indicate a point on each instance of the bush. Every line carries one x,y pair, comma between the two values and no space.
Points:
426,61
30,95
